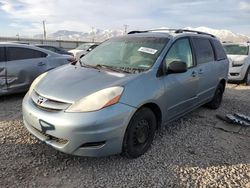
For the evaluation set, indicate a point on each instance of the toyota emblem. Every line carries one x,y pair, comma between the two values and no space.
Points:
41,100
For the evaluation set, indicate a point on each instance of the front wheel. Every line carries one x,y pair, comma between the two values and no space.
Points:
217,98
140,133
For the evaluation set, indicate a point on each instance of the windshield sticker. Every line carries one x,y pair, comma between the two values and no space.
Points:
147,50
144,66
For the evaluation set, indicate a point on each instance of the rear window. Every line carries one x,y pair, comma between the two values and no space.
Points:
2,58
236,49
204,50
219,50
17,53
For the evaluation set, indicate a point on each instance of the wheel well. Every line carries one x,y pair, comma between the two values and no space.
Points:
223,82
156,110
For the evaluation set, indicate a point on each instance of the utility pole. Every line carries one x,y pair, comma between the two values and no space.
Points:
93,34
44,30
18,36
125,29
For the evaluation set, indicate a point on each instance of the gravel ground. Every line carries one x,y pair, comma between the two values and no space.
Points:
190,152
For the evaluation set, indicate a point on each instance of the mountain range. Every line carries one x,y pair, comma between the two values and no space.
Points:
99,35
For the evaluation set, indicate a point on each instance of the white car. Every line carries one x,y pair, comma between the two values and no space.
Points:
239,57
82,50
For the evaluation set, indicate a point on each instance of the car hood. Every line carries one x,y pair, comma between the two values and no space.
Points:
237,58
75,51
71,83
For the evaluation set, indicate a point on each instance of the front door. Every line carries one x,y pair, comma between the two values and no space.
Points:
3,85
180,88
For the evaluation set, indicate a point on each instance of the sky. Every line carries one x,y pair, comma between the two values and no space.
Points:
24,17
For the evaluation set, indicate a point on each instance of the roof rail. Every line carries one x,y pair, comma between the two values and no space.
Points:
150,30
133,32
193,31
173,30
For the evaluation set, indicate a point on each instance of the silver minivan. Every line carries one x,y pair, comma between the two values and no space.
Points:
115,98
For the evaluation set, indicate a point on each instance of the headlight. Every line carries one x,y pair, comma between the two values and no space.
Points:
36,81
97,100
237,63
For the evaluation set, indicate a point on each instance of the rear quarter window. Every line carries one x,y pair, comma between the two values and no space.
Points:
2,55
18,53
219,51
203,50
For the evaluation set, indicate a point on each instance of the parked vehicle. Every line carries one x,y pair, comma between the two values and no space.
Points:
239,56
82,50
113,100
20,64
54,49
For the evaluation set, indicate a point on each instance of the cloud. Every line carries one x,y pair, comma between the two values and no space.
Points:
81,15
245,6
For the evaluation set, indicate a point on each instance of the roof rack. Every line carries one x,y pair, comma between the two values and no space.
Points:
150,30
193,31
173,30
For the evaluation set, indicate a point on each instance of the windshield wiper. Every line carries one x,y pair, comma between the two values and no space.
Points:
116,69
133,69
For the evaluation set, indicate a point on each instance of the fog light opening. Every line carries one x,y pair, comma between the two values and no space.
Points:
93,144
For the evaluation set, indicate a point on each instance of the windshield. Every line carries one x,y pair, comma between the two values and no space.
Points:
236,49
126,53
84,46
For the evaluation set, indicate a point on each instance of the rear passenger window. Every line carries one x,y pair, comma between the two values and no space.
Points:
204,50
2,58
17,53
219,51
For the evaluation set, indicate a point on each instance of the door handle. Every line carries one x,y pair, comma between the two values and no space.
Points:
41,64
194,73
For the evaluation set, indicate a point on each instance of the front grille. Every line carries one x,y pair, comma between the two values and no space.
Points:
234,74
48,104
53,138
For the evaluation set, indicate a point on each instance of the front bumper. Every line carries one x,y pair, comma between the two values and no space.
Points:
237,73
71,132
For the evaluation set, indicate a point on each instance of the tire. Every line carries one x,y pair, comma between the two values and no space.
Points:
217,98
247,77
140,133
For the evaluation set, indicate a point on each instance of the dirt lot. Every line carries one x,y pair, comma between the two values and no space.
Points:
191,152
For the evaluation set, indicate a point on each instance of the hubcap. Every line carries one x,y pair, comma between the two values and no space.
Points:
141,132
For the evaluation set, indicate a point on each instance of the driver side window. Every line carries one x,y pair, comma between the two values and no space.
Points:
180,51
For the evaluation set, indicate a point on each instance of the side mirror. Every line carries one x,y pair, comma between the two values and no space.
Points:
177,67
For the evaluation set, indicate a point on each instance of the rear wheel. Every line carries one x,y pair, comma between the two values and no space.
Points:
247,77
140,133
217,99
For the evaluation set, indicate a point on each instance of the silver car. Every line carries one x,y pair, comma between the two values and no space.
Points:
20,64
239,57
115,98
